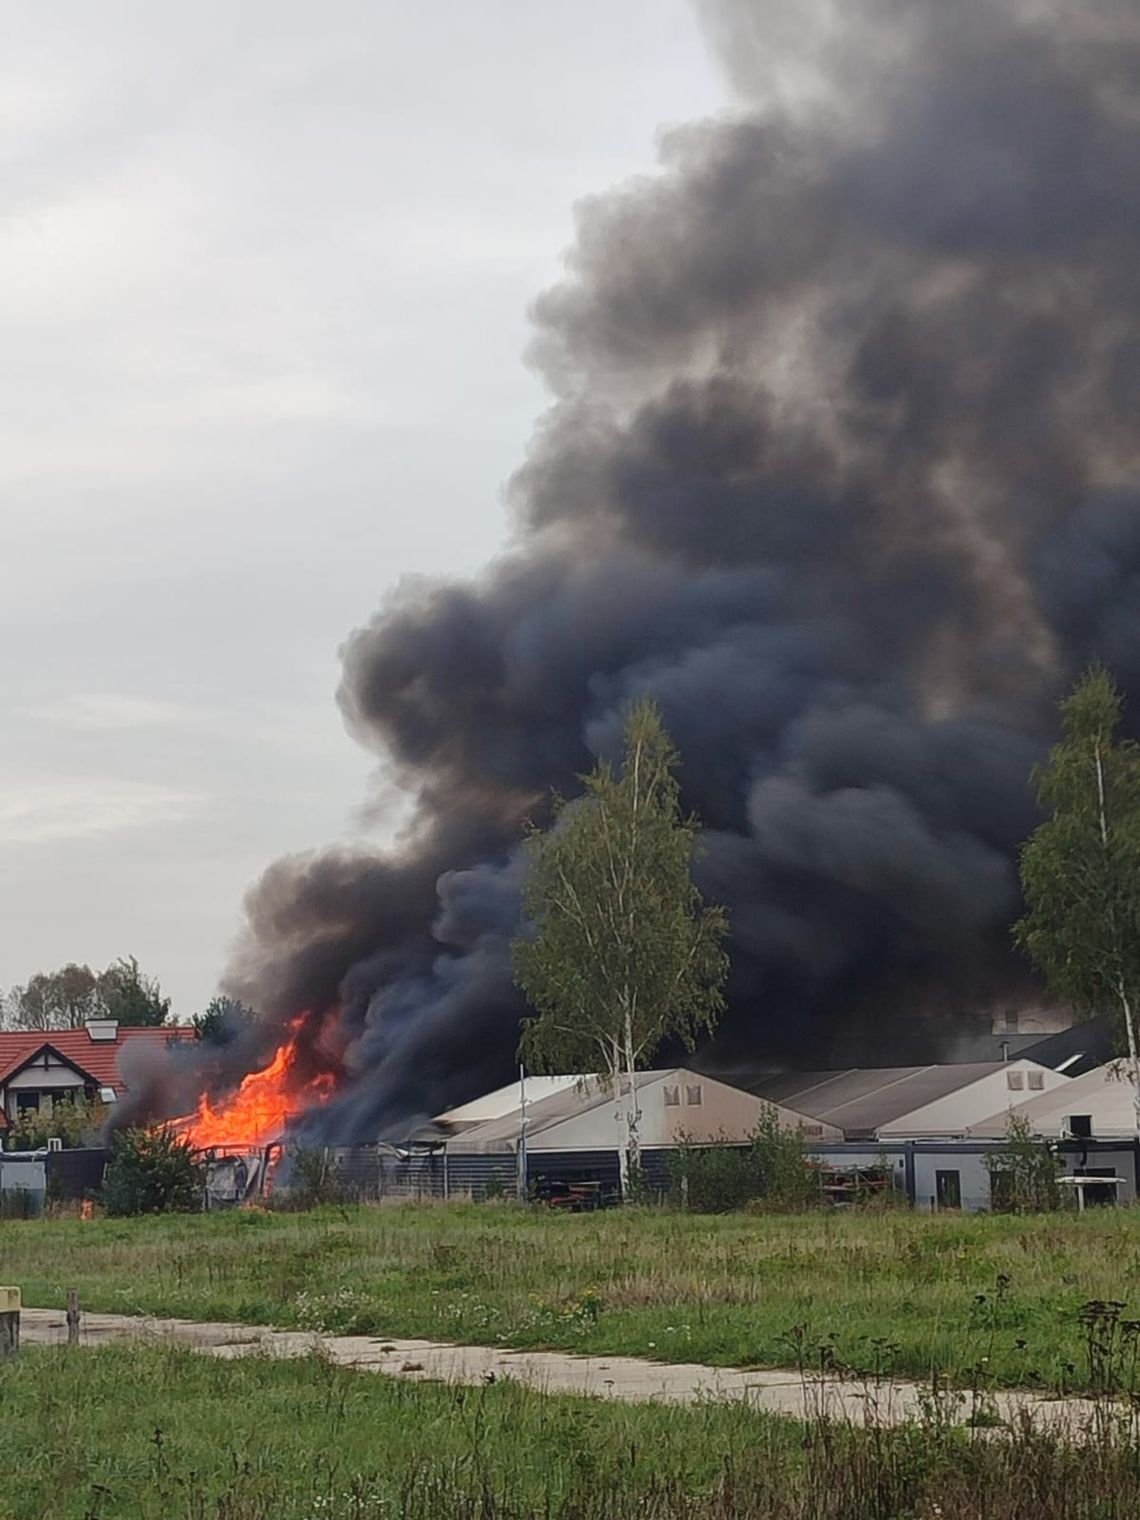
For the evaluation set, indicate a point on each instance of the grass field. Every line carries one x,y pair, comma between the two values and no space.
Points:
907,1292
163,1433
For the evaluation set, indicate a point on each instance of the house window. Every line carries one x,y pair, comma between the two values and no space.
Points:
948,1189
1015,1080
672,1097
27,1102
693,1097
1037,1081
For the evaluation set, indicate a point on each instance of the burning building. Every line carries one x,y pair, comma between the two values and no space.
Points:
841,467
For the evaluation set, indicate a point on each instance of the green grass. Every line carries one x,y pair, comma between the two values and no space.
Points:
163,1433
910,1292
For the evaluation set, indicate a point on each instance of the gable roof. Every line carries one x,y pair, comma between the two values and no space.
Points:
861,1099
97,1059
583,1096
504,1100
1074,1051
1106,1094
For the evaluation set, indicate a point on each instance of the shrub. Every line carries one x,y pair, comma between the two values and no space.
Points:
153,1172
788,1179
713,1179
772,1170
1023,1172
75,1121
308,1180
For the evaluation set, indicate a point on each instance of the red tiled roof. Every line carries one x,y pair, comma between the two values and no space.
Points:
97,1059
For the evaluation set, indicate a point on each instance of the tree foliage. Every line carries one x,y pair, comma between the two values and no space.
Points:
74,1120
67,998
153,1171
773,1171
130,997
1023,1171
62,999
222,1020
1080,869
620,952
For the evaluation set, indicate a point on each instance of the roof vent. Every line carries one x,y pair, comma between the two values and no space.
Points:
106,1031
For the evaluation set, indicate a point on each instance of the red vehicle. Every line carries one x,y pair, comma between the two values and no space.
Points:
577,1197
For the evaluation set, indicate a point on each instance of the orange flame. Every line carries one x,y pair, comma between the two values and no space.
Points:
257,1112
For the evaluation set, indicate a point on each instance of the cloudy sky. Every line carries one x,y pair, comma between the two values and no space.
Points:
264,272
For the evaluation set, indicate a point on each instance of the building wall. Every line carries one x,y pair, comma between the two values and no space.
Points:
55,1076
973,1179
1122,1159
23,1186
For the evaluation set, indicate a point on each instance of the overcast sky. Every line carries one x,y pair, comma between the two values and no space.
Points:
264,272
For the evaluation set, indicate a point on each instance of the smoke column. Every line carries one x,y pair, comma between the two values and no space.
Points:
841,468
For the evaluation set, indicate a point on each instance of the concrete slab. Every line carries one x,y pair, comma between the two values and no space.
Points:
631,1379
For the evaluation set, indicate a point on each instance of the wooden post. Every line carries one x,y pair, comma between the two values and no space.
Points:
9,1323
72,1317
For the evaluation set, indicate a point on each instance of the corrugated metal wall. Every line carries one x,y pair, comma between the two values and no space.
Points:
75,1173
23,1186
374,1172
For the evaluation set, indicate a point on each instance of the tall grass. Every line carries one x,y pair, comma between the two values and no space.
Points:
163,1433
938,1293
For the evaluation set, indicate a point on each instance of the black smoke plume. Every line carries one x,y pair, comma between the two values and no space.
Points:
841,467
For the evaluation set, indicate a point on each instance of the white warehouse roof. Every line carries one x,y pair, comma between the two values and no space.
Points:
504,1100
675,1105
1105,1094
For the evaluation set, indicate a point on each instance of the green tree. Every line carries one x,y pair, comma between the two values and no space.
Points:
619,950
62,999
222,1020
1023,1171
130,997
74,1120
1080,869
789,1181
153,1171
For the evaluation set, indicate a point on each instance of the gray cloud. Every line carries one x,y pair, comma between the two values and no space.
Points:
840,468
265,277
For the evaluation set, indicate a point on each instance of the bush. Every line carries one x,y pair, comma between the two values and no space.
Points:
772,1171
75,1121
1023,1172
789,1181
153,1172
308,1179
714,1179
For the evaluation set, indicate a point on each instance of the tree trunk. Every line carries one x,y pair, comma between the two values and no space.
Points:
621,1117
1133,1055
1122,991
633,1130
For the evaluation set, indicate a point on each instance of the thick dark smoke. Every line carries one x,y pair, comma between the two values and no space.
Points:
842,469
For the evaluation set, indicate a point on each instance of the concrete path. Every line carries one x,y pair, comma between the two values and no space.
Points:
617,1377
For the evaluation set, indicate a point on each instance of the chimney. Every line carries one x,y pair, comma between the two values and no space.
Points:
104,1031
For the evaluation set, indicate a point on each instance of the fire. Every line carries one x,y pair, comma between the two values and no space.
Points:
257,1112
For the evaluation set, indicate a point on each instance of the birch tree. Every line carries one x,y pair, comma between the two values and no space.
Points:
1080,870
619,951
